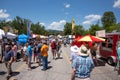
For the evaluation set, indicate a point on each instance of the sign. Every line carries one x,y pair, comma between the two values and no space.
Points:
100,33
28,29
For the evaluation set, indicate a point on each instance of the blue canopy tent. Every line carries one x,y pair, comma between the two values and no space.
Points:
22,38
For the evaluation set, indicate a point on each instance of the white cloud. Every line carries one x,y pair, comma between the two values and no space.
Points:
87,22
116,4
67,6
3,13
43,24
57,25
7,20
91,18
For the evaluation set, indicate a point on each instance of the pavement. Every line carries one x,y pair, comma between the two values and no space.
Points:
59,69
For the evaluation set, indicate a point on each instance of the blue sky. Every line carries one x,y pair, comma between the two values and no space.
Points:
55,13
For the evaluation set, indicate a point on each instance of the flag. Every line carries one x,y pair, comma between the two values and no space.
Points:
28,29
73,25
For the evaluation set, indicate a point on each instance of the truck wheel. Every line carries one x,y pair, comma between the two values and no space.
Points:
110,61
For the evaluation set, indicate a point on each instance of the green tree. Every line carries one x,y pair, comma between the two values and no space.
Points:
118,27
3,23
38,29
94,28
79,30
108,19
67,28
20,24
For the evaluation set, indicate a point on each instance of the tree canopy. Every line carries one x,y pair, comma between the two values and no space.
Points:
108,19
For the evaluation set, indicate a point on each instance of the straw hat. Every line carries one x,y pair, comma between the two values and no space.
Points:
83,51
74,48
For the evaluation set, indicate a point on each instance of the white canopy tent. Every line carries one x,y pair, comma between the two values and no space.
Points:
1,33
9,34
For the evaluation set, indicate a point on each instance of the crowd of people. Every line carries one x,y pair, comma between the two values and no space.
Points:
83,59
35,51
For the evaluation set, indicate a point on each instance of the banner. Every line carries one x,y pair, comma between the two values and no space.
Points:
73,25
100,33
28,29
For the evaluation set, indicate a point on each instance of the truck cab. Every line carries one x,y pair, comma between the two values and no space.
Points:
108,49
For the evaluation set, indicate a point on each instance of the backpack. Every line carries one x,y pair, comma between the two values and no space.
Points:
53,45
35,49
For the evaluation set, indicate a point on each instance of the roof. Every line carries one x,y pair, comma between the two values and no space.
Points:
116,33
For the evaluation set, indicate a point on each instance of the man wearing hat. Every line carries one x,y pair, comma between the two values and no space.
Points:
74,53
82,65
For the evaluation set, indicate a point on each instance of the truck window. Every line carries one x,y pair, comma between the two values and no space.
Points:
107,44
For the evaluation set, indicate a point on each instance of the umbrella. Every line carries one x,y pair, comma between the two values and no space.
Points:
90,38
76,39
22,36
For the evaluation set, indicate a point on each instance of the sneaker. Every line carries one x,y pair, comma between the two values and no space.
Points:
43,69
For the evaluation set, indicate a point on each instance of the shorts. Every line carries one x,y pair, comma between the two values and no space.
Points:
35,54
29,58
15,53
39,56
53,50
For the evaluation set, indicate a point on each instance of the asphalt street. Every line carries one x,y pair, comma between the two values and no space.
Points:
59,69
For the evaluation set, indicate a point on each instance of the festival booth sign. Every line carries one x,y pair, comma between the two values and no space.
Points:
90,38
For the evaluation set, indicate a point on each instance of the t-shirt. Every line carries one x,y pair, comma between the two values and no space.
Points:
53,45
35,49
83,66
29,50
8,55
118,52
93,52
39,48
25,50
73,56
44,50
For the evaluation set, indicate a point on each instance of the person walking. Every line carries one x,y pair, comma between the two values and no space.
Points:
29,55
14,48
8,58
54,48
22,53
93,53
35,54
82,65
59,50
118,62
44,54
39,53
25,49
74,53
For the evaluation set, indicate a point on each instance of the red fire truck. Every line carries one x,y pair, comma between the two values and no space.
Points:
108,48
